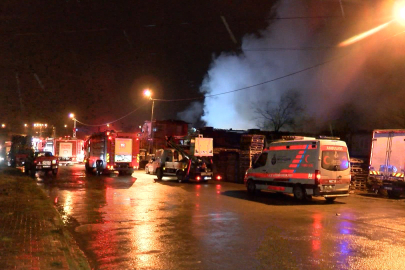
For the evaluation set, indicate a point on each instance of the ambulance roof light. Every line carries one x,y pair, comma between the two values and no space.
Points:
296,138
329,138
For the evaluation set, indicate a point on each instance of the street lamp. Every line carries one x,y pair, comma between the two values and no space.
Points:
148,93
398,10
72,116
40,125
3,125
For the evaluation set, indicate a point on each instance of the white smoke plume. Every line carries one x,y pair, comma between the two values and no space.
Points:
288,46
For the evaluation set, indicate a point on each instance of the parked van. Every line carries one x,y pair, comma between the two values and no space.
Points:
302,166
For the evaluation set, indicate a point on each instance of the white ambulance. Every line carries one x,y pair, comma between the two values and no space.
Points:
302,166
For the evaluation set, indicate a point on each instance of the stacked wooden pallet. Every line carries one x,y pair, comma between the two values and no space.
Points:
359,173
251,147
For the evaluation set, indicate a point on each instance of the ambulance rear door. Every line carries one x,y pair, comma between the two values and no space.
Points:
335,166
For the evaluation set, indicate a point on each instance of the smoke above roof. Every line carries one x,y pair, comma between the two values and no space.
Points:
299,51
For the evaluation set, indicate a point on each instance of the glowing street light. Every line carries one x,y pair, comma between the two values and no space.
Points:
3,125
148,93
25,125
39,125
72,116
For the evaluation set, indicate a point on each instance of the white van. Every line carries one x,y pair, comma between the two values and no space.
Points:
302,166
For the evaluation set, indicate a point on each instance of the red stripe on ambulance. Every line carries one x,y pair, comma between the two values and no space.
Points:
283,176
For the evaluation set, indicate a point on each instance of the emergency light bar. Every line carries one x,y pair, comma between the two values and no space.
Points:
329,138
296,138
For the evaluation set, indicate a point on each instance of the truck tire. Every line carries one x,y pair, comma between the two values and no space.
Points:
392,194
55,171
99,166
180,176
251,187
159,174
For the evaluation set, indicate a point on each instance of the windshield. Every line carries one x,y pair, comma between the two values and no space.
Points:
335,160
43,154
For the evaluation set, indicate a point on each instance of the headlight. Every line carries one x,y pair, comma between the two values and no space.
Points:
54,161
39,163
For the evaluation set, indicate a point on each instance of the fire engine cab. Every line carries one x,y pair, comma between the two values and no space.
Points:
304,167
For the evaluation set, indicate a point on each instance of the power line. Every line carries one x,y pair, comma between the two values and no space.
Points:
116,120
258,84
291,49
223,93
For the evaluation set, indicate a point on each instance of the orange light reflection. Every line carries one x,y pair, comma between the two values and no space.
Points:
364,35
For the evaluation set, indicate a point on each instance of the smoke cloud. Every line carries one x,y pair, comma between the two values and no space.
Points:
335,77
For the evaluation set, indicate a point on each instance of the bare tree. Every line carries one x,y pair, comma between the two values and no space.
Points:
283,114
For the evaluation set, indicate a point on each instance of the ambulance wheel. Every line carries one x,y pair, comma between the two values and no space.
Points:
159,174
251,187
299,193
330,199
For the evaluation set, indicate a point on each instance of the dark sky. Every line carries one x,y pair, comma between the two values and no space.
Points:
94,58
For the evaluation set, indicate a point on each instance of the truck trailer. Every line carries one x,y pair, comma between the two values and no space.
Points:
111,151
387,161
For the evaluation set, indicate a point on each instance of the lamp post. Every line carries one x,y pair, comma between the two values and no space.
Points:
148,94
72,116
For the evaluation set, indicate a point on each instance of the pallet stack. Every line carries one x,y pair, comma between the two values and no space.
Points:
359,173
251,147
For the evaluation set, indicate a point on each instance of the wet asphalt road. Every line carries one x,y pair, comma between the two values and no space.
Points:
124,222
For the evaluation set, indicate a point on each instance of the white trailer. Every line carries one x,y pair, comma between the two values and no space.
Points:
387,161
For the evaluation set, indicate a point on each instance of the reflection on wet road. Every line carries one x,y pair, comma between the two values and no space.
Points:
124,222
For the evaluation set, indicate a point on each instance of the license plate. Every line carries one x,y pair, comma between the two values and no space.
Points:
388,188
207,178
47,162
328,188
46,166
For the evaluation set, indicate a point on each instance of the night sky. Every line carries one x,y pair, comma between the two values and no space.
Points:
94,58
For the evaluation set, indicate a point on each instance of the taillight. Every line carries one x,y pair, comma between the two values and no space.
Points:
198,178
317,177
110,138
219,177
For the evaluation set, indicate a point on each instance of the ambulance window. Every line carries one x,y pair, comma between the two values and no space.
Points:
261,161
335,160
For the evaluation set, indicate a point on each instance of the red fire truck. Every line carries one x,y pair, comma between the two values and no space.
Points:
111,151
69,151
